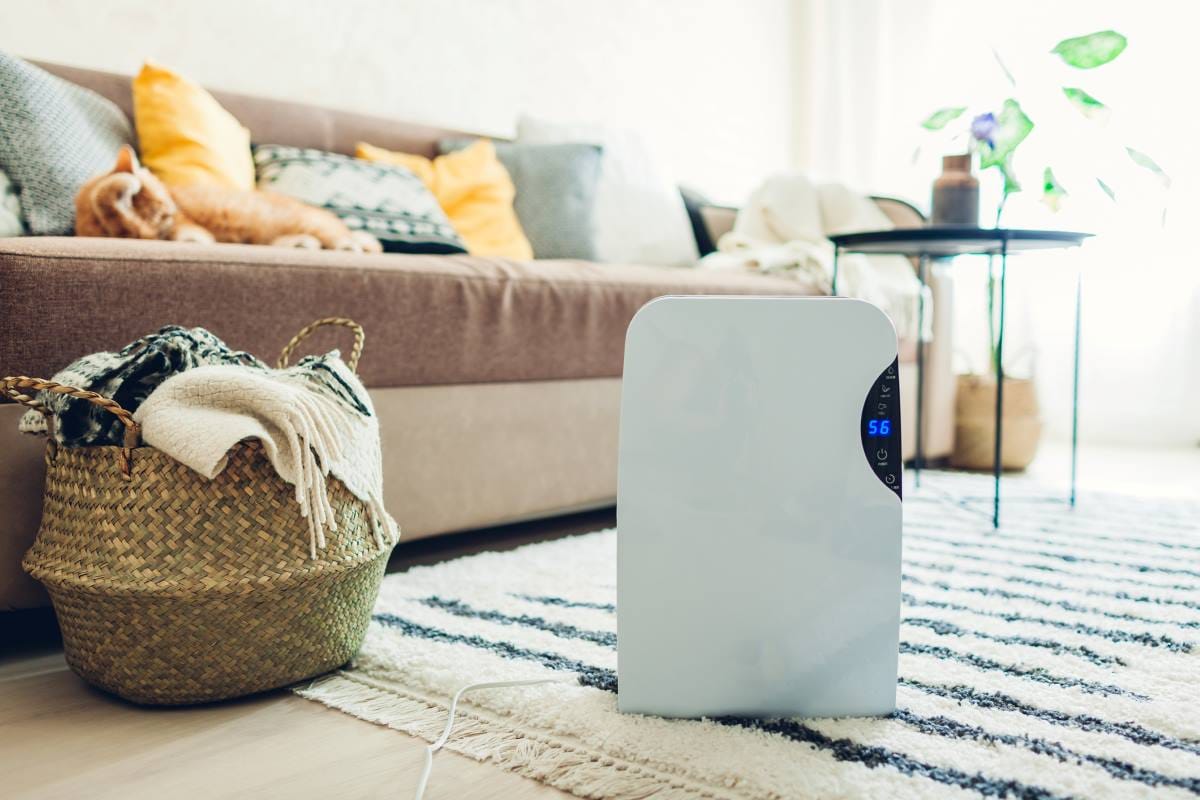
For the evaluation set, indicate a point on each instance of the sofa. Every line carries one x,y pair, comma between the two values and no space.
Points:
497,383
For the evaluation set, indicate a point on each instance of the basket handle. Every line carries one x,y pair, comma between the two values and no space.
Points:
14,388
355,351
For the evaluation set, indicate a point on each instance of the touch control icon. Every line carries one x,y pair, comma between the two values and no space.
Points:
880,430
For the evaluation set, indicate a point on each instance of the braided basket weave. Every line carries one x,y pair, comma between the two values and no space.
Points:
171,588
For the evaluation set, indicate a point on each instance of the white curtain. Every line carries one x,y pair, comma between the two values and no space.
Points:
868,72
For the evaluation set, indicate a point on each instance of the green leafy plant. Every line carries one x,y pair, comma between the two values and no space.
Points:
1091,51
995,135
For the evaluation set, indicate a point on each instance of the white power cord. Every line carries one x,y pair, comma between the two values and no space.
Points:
433,748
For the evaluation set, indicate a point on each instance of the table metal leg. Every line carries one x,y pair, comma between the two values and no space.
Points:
1075,387
919,459
836,252
996,456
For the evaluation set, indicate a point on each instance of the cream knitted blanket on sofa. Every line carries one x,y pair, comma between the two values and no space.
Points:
307,433
784,228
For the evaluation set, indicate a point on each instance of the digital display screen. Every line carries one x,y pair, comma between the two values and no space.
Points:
879,427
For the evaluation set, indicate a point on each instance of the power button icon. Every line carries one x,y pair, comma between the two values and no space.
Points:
881,454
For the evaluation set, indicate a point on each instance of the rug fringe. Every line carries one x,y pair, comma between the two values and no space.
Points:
544,760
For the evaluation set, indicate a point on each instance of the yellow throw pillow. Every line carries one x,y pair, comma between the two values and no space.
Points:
475,191
185,135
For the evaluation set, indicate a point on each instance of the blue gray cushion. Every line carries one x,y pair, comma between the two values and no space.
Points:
385,200
54,135
556,193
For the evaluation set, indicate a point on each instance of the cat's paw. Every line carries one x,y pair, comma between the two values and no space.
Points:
303,241
359,242
192,233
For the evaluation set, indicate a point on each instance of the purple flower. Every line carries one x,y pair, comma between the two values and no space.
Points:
984,127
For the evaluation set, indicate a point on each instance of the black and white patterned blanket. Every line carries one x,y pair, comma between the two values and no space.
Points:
130,374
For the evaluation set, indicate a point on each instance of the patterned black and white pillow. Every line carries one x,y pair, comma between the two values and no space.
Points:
385,200
11,223
54,135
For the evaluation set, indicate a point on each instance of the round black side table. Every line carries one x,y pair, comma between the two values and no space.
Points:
947,241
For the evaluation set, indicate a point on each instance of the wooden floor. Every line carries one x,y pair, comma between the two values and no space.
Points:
59,738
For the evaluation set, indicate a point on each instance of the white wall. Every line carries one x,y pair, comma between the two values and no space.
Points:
707,82
871,70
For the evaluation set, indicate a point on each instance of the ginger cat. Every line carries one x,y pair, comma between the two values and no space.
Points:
130,202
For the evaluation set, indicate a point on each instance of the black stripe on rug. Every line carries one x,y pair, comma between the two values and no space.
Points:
943,628
564,603
1058,587
1036,674
1064,557
1116,768
1065,605
560,629
1129,731
946,567
1057,535
1143,638
874,756
871,756
938,626
1083,533
1025,546
596,677
1112,511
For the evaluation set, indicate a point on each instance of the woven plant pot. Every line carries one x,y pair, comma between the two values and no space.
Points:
975,424
171,588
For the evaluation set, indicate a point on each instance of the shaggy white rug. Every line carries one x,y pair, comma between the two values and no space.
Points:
1054,658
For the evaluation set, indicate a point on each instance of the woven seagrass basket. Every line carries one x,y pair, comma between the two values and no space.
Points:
171,588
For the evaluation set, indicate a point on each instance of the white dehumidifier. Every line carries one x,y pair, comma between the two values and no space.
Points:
758,510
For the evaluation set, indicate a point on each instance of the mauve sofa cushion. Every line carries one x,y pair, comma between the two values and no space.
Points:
428,319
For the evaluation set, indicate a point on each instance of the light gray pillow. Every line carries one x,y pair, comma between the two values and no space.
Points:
10,209
556,193
54,135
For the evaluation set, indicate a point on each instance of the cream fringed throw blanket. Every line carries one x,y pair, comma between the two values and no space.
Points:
307,431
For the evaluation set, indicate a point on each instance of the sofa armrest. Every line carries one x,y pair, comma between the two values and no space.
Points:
718,221
902,213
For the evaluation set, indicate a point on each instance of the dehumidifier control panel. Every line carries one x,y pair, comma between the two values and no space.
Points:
881,428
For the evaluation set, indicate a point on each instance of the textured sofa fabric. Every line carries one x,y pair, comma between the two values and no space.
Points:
431,319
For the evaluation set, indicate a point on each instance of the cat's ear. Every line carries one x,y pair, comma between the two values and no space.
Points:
126,159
